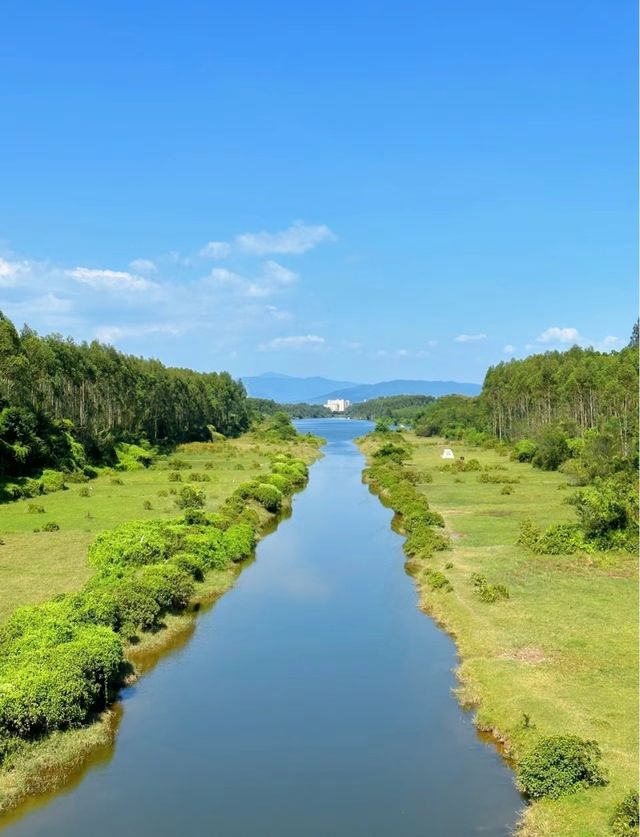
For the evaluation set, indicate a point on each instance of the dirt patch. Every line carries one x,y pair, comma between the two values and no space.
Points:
530,655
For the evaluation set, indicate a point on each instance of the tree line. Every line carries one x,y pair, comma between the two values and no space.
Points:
56,395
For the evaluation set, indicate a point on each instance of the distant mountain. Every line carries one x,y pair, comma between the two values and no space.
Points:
287,389
363,392
290,390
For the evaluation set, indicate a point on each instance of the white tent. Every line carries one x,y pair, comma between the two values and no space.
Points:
447,453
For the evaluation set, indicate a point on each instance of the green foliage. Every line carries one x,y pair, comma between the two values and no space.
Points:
401,409
135,543
268,496
263,407
438,581
239,541
625,821
278,428
524,450
560,765
609,505
562,539
190,563
35,508
175,476
51,526
132,457
487,592
190,497
451,416
552,449
392,452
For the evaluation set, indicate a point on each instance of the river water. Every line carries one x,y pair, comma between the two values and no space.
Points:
313,700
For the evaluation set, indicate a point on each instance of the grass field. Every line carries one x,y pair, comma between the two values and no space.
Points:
35,566
560,656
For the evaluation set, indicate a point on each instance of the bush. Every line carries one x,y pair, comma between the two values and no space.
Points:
625,820
269,497
175,476
239,541
51,481
552,450
562,539
488,592
438,581
84,491
195,517
146,504
560,765
198,476
606,506
35,508
190,497
51,526
116,481
506,489
179,464
190,563
530,534
135,543
524,450
133,457
209,545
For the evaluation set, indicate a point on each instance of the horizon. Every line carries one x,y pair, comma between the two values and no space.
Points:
461,216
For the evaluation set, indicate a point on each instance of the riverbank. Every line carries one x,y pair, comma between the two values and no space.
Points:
559,655
40,766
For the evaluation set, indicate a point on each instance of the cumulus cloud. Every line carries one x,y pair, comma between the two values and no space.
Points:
298,238
509,349
118,280
470,338
295,343
559,335
143,266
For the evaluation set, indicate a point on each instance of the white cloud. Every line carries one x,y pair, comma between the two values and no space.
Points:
393,354
432,343
143,266
9,272
295,343
509,349
111,279
277,313
215,250
610,343
279,275
114,333
298,238
470,338
559,335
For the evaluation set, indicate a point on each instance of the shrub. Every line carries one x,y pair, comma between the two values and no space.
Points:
35,508
169,584
530,534
190,497
51,481
135,543
606,506
147,505
208,466
195,517
175,476
116,481
552,450
269,497
197,476
438,581
51,526
506,489
488,592
524,450
209,545
190,563
562,539
163,493
625,820
391,452
84,491
179,464
560,765
239,541
133,457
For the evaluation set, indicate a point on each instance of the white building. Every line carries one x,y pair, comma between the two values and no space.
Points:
337,405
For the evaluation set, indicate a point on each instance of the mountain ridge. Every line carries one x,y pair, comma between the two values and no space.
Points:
287,389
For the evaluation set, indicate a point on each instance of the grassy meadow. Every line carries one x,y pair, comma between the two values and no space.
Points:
560,655
35,566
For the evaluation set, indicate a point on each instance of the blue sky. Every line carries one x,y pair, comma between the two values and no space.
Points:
365,190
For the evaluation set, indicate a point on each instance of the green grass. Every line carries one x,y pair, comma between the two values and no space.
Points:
35,566
562,650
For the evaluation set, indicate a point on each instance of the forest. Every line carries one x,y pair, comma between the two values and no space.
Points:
395,408
65,405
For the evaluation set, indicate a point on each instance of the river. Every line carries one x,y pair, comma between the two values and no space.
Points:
313,700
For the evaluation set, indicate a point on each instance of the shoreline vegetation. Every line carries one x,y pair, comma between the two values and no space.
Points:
547,640
137,599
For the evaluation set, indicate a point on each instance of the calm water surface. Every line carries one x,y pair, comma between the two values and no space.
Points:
313,700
